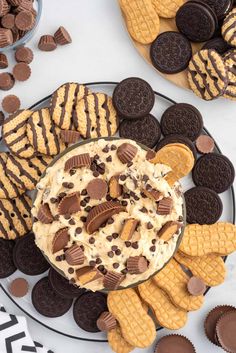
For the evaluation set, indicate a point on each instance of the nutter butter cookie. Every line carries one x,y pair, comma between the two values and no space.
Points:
64,101
100,212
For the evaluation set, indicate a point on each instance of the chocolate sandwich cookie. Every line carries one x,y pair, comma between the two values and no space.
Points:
28,258
25,173
62,285
15,217
42,133
133,98
214,171
182,119
7,267
174,138
207,74
203,205
8,189
218,44
47,302
220,7
171,52
196,21
87,309
146,130
230,62
95,116
64,101
14,134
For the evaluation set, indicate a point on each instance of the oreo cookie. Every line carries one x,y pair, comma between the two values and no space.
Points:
220,7
87,309
133,98
62,286
171,52
214,171
146,130
218,44
7,267
28,258
47,302
182,119
173,138
197,21
203,205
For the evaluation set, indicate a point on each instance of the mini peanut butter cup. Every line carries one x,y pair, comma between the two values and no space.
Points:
168,230
115,189
19,287
112,280
205,144
74,255
196,286
70,136
152,193
62,36
126,152
21,71
7,81
128,229
97,189
173,344
69,204
88,274
60,240
24,20
101,213
11,104
225,330
6,37
79,161
8,21
165,206
137,265
4,7
3,61
47,43
44,214
106,321
24,54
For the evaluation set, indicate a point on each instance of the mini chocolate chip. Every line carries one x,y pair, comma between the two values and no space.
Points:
36,219
72,222
118,252
56,217
152,248
124,203
110,221
95,174
123,177
109,238
148,187
103,225
58,258
136,197
72,281
116,265
72,172
98,261
87,199
129,164
62,257
143,195
104,271
83,203
110,254
127,244
108,198
154,241
126,196
143,210
84,192
96,157
101,268
113,147
135,245
109,159
101,171
149,225
105,149
115,235
78,230
114,247
65,184
92,263
70,185
102,165
82,247
132,194
83,219
71,270
91,240
62,194
145,178
67,216
88,208
53,200
124,271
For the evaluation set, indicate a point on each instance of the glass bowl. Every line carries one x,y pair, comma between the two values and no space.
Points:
34,195
22,41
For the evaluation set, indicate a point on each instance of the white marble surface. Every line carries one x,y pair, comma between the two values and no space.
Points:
101,50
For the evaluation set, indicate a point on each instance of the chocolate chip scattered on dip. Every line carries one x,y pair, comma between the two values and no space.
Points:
105,215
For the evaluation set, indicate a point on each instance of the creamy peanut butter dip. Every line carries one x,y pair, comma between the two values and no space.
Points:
109,241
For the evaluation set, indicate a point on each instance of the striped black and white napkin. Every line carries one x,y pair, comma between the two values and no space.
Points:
15,337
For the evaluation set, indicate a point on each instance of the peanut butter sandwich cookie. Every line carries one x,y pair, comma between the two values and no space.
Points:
106,216
167,8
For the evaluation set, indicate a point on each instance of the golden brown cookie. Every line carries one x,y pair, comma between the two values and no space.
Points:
207,74
179,157
200,240
8,189
166,313
167,8
64,101
230,62
117,342
137,327
42,133
95,116
210,268
141,19
229,28
25,173
15,217
15,136
173,281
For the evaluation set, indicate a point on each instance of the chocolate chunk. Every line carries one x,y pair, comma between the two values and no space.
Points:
62,37
115,189
126,152
106,322
24,20
8,21
168,230
70,136
164,206
205,144
74,255
21,71
151,193
3,61
170,342
88,274
101,213
7,81
97,189
24,54
137,265
6,37
19,287
47,43
60,240
128,229
225,330
44,214
69,204
196,286
79,161
112,280
11,104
